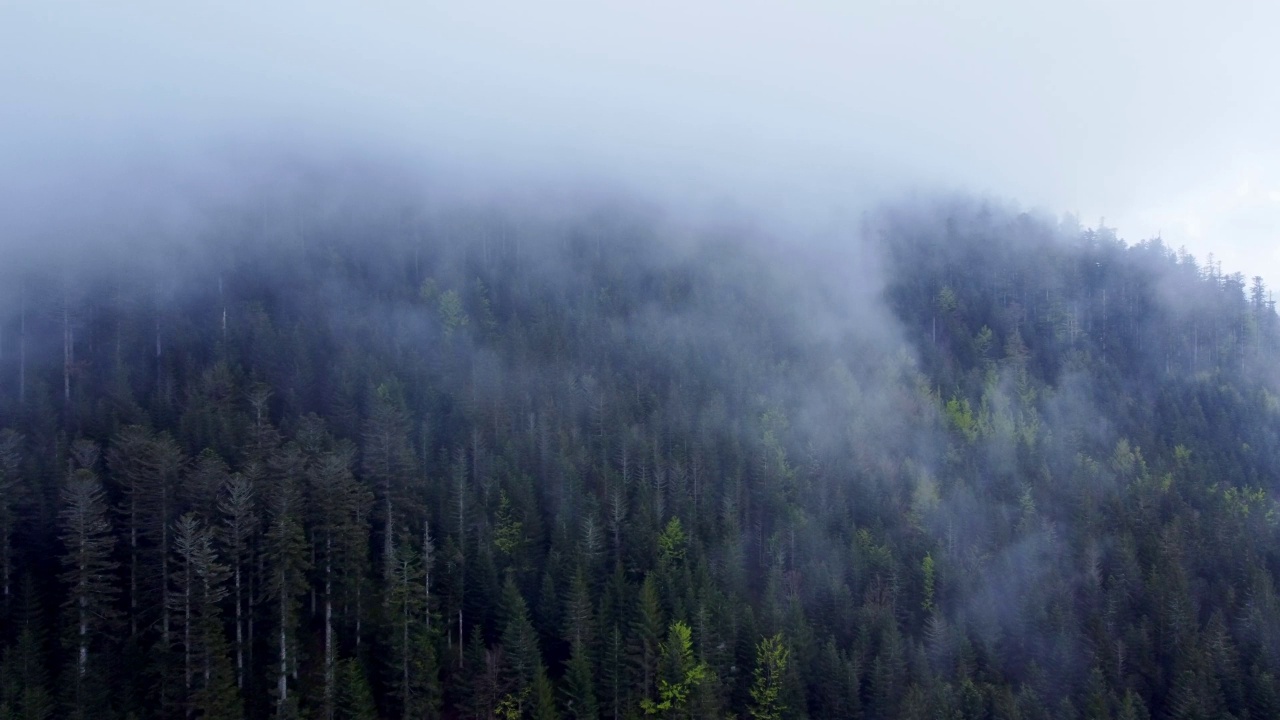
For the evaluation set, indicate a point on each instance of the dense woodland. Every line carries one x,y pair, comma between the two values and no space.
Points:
336,452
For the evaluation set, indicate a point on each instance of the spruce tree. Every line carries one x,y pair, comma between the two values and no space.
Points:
91,588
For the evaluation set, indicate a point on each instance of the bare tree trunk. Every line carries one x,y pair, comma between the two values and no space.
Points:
239,631
222,300
387,544
66,350
83,659
207,655
282,683
164,561
359,583
404,644
249,624
427,553
462,552
314,589
22,346
133,564
186,634
328,629
359,609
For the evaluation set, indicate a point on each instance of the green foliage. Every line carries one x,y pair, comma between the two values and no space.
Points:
961,418
452,314
671,543
509,536
928,575
946,300
579,697
589,478
519,639
680,675
354,698
643,649
982,343
772,657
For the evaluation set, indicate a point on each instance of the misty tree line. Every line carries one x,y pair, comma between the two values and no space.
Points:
355,460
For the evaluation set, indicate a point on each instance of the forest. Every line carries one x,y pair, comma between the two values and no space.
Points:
334,449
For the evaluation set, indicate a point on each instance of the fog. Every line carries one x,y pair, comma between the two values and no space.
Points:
1150,115
809,279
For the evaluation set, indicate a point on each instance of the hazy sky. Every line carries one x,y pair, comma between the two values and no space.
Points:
1160,116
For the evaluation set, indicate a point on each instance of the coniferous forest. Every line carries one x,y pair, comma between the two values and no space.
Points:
333,450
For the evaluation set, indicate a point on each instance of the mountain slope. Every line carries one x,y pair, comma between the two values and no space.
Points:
464,460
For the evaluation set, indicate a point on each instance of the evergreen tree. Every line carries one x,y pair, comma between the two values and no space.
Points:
522,657
414,673
285,549
146,467
199,588
646,634
338,508
578,689
772,657
89,576
680,675
353,699
236,507
10,490
24,681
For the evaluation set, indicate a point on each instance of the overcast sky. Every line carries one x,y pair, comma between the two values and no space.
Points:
1161,116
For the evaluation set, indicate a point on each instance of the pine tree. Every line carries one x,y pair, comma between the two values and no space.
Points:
218,697
236,507
286,547
199,588
387,460
579,617
338,505
543,698
579,697
146,466
415,674
24,681
353,699
613,681
523,659
680,675
480,684
772,657
201,487
10,491
646,635
89,577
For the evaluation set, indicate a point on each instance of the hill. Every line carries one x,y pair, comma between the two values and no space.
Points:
340,452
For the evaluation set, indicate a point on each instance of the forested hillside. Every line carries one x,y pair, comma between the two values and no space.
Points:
336,452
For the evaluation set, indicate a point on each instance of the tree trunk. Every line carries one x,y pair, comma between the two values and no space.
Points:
239,631
186,633
83,658
282,683
223,302
359,609
164,562
328,629
133,565
387,545
22,346
66,351
404,644
426,571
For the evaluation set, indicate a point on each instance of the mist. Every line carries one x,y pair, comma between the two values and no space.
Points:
1101,110
583,361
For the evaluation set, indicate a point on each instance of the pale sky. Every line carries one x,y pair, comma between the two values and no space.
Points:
1160,116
